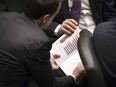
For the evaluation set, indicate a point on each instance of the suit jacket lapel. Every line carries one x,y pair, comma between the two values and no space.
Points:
96,9
65,9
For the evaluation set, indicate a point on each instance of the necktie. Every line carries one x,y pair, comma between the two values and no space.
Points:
75,11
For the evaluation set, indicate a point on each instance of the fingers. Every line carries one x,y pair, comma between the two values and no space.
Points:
56,56
70,23
52,61
68,26
80,66
79,71
55,66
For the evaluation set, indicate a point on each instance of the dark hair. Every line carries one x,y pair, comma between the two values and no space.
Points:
37,8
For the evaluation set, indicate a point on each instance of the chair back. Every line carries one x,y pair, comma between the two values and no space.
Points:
88,56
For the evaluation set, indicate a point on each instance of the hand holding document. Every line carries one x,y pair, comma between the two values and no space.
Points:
52,61
78,72
66,47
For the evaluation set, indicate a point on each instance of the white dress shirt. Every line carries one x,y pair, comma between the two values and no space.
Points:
86,21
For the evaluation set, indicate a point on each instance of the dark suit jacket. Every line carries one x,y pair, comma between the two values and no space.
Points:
102,10
24,54
104,38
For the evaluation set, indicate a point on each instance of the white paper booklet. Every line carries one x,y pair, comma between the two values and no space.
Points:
66,46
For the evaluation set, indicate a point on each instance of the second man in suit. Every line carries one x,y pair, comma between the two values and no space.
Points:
92,13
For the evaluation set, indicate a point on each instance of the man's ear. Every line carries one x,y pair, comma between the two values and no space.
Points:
46,18
43,20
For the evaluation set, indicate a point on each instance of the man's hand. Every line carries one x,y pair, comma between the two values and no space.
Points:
79,71
52,61
68,26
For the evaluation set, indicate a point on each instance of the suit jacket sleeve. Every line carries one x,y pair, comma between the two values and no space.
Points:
50,29
109,10
41,71
61,16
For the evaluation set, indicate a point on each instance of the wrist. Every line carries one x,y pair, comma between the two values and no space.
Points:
56,32
73,77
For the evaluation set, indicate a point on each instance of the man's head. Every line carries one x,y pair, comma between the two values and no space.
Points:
42,11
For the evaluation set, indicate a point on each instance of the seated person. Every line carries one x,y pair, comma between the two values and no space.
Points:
91,14
24,47
104,38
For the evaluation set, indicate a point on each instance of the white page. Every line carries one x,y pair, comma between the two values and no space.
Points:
67,47
69,65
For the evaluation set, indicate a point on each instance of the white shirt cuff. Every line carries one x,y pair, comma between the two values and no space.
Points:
73,77
56,30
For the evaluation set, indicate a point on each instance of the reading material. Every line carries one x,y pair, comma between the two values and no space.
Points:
66,46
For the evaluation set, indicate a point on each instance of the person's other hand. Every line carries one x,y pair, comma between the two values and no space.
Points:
52,61
68,26
79,71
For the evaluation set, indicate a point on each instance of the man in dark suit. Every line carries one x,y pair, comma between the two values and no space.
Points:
24,47
104,39
92,13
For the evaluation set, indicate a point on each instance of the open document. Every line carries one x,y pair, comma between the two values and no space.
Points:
66,46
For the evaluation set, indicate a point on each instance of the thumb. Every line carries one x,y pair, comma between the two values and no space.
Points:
56,55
